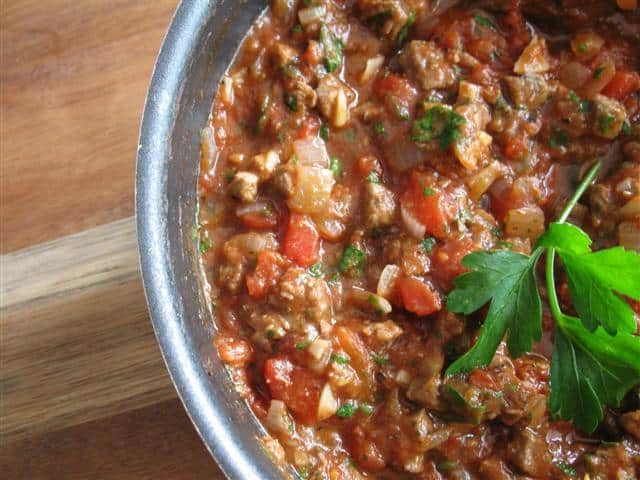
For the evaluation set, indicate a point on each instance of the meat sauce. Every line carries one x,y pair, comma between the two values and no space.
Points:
362,149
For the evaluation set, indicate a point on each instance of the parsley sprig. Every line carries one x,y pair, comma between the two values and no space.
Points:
595,356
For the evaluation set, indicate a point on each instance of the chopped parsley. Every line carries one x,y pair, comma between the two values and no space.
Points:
379,359
594,361
447,466
336,167
316,270
485,22
303,345
339,359
626,128
291,101
428,191
605,122
373,177
566,468
378,128
332,49
324,132
559,138
297,28
428,244
346,410
404,31
438,123
598,72
205,245
352,260
582,47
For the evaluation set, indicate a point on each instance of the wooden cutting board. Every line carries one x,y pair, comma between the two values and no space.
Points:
84,393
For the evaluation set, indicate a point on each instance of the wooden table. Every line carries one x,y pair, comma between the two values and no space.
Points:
73,78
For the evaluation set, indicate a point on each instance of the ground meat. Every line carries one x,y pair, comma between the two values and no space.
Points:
528,90
380,206
609,117
425,62
244,186
240,251
306,297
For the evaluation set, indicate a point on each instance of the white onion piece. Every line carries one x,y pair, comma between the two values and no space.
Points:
320,352
412,224
574,74
312,190
255,207
310,15
278,419
534,58
387,281
327,405
371,68
207,148
525,222
629,235
311,152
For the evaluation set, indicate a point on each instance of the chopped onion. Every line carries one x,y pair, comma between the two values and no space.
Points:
586,45
602,75
525,222
278,419
482,180
312,190
311,152
534,58
327,405
226,90
259,207
340,114
630,209
629,235
371,68
403,377
310,15
207,148
573,75
411,223
320,352
387,281
366,298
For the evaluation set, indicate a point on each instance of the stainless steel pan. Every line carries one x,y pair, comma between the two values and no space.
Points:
198,48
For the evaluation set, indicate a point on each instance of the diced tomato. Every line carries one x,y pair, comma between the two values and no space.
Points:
297,387
447,261
261,220
418,297
452,37
389,85
313,54
482,379
506,196
301,240
516,146
233,350
269,269
622,84
429,205
309,128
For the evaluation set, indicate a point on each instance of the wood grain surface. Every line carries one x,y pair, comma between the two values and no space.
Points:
73,79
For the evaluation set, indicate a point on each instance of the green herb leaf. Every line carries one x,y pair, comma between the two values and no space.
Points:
302,345
324,132
336,167
566,468
428,191
332,49
404,31
378,128
291,101
379,359
485,22
605,122
598,72
508,280
352,259
339,359
205,245
559,138
438,123
428,244
346,410
373,177
589,369
316,271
